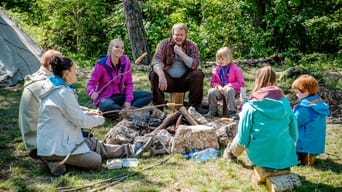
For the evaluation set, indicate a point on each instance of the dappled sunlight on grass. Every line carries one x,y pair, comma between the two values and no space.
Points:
21,173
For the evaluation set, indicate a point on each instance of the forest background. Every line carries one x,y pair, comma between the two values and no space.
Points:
300,32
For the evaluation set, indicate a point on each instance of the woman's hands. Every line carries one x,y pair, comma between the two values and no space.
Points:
94,96
94,112
126,105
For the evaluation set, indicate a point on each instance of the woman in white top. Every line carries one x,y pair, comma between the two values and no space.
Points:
61,119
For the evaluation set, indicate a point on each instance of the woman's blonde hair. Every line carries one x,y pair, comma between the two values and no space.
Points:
111,44
224,52
265,77
306,83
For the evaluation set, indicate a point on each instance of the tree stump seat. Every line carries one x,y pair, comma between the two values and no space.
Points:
224,104
275,179
177,98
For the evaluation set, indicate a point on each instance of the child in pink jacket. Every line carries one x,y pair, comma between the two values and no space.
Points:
226,81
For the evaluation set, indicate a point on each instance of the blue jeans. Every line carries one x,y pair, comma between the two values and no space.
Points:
115,102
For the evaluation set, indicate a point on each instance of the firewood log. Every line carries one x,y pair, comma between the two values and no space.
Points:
197,116
188,116
170,119
179,121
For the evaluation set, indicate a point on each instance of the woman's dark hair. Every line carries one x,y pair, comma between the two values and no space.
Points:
60,64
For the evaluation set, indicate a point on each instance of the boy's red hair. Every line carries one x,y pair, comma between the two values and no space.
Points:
306,83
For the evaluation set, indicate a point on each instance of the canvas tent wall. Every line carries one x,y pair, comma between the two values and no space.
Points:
19,54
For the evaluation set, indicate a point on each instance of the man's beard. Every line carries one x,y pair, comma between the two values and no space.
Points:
179,43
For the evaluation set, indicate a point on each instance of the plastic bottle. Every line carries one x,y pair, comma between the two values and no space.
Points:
188,154
114,163
242,93
122,162
242,99
205,155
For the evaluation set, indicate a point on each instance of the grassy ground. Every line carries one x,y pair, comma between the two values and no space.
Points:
154,173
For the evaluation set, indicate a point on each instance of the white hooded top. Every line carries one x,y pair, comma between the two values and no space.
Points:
60,121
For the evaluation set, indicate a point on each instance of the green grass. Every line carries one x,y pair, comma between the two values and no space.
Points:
21,173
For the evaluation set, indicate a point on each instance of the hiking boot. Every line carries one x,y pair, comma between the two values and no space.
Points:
228,155
211,114
33,154
86,133
201,110
141,147
306,158
113,116
233,115
56,168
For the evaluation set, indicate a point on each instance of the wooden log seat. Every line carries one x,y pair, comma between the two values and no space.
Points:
177,98
275,179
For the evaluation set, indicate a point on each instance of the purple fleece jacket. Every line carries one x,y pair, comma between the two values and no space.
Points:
120,84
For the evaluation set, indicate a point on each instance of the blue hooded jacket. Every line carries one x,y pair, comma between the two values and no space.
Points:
268,129
311,113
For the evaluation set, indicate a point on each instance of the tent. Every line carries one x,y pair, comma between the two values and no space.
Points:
19,54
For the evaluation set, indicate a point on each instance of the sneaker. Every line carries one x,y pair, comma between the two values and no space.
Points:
113,116
33,154
306,158
140,148
233,115
211,114
201,110
228,155
56,168
86,133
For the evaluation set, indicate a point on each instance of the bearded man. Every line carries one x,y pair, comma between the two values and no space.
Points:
175,68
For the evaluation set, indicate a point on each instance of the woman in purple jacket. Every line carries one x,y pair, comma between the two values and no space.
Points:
111,84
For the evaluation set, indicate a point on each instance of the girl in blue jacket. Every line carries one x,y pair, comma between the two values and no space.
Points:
311,113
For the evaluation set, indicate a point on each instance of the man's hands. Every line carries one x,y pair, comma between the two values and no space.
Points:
162,83
162,79
186,59
178,50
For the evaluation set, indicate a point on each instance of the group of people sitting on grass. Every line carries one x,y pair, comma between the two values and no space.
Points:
273,133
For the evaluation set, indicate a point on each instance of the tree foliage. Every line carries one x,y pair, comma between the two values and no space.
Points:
252,28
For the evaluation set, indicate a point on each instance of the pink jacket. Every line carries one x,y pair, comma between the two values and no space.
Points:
236,79
101,75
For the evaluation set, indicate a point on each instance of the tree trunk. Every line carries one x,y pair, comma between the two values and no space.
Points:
260,13
136,30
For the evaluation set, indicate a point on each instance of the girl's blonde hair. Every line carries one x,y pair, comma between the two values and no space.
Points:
224,52
265,77
306,83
